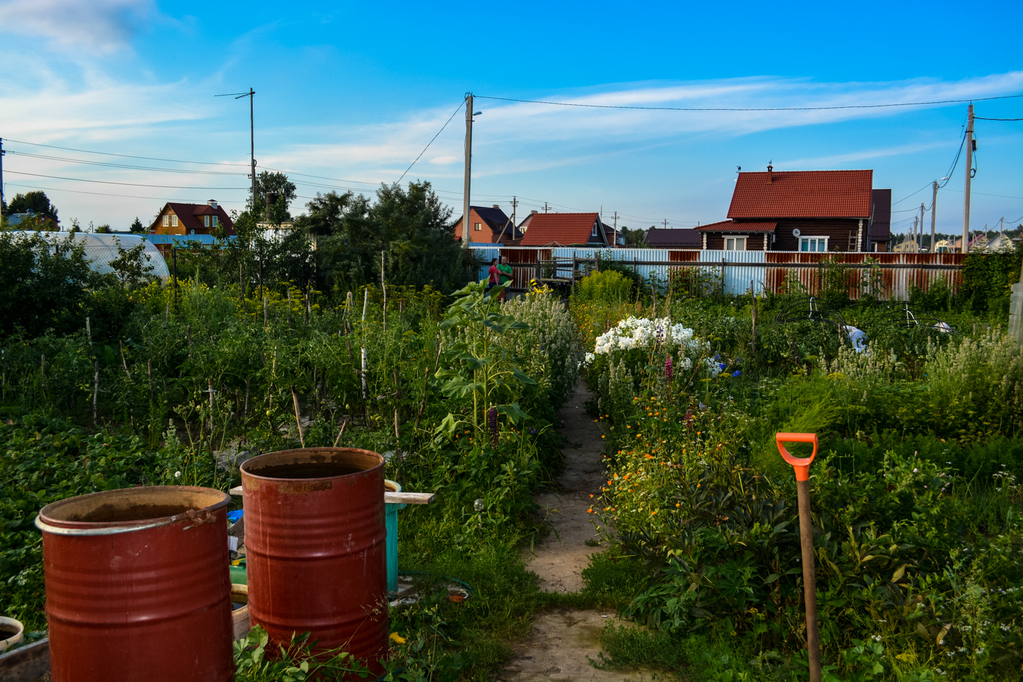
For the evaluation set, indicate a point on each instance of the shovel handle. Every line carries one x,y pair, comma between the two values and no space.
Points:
801,465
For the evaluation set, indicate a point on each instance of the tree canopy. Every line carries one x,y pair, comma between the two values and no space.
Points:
410,227
278,188
35,202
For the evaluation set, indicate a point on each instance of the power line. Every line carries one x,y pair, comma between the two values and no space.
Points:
190,171
78,191
129,184
981,118
844,106
127,156
434,138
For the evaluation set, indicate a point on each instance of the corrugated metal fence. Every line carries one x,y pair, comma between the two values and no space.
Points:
891,275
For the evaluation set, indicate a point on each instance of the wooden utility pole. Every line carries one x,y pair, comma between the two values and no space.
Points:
934,212
252,144
969,177
466,234
515,204
2,152
921,234
616,228
912,234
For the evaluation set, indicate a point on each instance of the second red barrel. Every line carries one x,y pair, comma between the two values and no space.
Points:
315,548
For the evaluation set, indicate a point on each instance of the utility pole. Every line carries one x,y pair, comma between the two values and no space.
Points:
252,137
912,234
969,176
545,207
665,223
934,213
466,234
515,203
2,152
616,229
921,235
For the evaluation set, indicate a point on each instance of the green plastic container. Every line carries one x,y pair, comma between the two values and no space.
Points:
391,522
239,576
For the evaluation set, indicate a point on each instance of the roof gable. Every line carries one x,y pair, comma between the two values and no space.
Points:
562,228
190,217
802,194
498,222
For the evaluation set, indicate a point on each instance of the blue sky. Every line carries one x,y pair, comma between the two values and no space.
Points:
353,92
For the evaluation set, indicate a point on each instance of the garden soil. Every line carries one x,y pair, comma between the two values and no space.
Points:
565,641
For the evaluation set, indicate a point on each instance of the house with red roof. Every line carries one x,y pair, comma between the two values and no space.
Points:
208,218
489,226
809,211
565,229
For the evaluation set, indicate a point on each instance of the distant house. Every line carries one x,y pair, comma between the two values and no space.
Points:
797,211
880,220
32,220
489,226
566,229
672,238
208,218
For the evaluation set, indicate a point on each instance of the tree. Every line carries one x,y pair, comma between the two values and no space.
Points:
411,228
633,238
137,226
34,202
277,188
103,229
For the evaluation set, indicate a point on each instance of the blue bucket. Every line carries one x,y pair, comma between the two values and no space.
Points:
391,523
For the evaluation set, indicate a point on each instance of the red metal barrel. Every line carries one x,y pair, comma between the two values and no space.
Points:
315,548
137,586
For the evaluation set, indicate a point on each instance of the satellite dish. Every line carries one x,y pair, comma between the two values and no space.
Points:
796,232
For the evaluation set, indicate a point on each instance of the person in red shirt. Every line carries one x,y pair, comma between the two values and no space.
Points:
495,276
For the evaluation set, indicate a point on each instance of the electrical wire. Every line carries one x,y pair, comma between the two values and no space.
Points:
981,118
190,171
434,137
109,182
845,106
78,191
126,156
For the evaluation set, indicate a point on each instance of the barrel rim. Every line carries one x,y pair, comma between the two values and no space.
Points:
246,467
47,522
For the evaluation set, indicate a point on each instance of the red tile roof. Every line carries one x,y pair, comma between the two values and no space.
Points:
803,194
190,217
562,228
739,226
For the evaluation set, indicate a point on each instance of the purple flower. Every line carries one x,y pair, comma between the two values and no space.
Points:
492,420
668,369
737,373
721,367
532,432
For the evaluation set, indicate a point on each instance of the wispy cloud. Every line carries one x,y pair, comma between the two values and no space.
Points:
99,26
842,159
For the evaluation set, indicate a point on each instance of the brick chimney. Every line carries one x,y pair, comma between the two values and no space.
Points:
770,174
497,206
212,203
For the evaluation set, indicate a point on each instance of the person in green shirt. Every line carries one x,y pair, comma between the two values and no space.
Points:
504,271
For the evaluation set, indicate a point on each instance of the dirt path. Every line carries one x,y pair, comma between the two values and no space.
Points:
564,641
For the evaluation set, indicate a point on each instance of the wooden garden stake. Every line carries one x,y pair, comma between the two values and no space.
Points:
801,466
298,419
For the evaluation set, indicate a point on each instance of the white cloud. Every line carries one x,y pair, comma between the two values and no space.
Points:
99,26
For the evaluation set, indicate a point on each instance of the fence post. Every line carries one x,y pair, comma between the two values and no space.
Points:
722,275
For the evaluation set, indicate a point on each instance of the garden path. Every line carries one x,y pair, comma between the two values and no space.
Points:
565,640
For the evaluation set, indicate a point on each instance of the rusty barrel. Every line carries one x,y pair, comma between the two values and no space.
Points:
137,585
315,549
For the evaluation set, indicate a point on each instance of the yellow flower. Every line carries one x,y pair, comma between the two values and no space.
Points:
397,639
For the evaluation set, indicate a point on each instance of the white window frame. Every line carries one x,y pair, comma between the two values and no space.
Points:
205,221
174,221
214,221
811,238
478,227
166,221
595,232
736,241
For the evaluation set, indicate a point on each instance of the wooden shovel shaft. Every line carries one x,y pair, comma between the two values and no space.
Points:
813,645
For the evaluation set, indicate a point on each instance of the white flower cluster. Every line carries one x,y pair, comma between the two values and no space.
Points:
644,333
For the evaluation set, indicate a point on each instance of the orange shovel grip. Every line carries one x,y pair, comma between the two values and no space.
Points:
801,465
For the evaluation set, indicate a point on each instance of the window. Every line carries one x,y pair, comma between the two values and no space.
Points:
205,221
174,221
813,244
478,227
214,221
594,233
735,243
166,220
